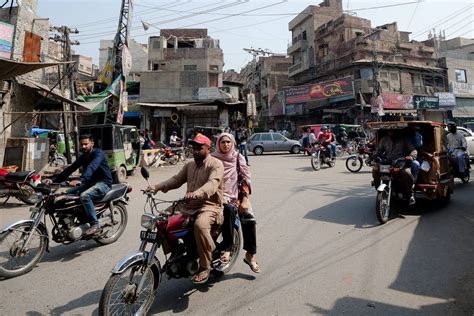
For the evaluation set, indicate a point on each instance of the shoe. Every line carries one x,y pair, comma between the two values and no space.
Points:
92,230
412,200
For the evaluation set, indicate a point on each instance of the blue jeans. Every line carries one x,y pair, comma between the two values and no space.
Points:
332,147
415,168
88,195
243,151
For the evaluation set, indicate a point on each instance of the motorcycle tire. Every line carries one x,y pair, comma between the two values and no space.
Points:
465,178
124,286
58,162
315,162
8,248
354,164
119,210
173,160
234,253
382,209
331,163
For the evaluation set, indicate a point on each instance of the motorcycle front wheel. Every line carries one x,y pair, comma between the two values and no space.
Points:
16,259
354,163
113,230
121,295
315,162
382,208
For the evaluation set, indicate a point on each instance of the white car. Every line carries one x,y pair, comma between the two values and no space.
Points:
469,139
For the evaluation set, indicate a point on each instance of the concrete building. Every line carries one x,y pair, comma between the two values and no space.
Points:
138,51
347,53
86,70
457,55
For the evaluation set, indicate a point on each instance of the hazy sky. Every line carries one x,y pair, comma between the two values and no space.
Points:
242,24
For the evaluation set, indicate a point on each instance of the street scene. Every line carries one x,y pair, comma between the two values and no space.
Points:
236,157
320,247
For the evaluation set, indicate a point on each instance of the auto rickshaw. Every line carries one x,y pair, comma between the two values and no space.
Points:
434,180
120,144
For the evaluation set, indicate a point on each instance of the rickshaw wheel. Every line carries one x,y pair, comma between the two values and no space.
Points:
121,174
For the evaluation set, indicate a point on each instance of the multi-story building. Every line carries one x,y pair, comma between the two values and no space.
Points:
353,62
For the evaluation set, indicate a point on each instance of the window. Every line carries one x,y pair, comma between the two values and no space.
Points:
255,137
341,37
266,137
393,76
278,137
156,66
214,67
323,50
304,35
32,47
460,75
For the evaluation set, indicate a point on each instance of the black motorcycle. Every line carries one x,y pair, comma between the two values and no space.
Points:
464,176
22,244
18,184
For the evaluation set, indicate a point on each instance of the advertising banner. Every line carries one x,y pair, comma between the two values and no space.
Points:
425,102
319,91
6,40
447,100
392,101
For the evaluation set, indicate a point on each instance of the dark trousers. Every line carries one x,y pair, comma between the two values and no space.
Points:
249,232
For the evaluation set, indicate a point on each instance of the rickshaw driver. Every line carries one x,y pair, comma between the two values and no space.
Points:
392,147
457,145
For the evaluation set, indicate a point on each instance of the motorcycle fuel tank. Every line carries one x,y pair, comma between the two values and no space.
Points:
178,226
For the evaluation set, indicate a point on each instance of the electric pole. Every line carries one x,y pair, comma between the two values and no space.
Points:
114,110
68,69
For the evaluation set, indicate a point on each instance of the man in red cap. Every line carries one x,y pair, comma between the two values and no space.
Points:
203,200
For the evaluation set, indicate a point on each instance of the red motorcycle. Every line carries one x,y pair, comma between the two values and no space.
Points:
320,156
19,184
135,279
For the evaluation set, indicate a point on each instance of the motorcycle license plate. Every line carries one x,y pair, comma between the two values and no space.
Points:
148,236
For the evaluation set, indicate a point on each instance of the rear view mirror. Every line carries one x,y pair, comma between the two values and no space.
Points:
145,173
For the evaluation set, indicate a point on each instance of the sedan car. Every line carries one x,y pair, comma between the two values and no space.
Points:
267,142
469,139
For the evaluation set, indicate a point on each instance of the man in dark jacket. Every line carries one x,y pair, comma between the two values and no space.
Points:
95,182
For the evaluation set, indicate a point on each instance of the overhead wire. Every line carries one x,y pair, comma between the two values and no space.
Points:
462,27
413,15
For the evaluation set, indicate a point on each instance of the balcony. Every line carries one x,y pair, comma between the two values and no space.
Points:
295,69
298,46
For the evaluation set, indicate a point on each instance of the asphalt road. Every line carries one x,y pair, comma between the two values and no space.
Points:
319,246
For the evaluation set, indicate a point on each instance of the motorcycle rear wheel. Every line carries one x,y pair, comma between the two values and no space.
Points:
13,260
234,253
119,296
354,164
111,234
382,209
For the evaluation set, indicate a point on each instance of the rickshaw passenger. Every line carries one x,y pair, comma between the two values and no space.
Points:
417,141
393,146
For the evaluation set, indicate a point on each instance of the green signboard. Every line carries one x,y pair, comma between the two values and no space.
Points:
422,102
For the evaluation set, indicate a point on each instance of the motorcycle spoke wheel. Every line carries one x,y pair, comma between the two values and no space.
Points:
381,207
112,231
121,295
234,252
14,260
354,164
315,162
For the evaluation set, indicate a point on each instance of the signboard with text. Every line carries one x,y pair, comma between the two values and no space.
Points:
319,91
6,40
422,102
447,100
393,101
462,88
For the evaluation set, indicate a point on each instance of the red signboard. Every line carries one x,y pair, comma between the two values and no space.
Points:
394,101
319,91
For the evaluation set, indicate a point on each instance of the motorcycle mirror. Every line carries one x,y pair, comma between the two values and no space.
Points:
145,173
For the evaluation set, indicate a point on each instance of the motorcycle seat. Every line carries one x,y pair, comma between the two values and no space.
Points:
20,176
115,192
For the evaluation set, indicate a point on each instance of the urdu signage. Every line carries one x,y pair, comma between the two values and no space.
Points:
462,88
422,102
319,91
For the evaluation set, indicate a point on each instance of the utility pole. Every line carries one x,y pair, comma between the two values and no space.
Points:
68,69
113,111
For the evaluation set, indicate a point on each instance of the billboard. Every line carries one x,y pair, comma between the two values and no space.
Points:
6,40
320,91
393,101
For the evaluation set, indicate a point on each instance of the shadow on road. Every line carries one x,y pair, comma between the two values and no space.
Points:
66,253
91,298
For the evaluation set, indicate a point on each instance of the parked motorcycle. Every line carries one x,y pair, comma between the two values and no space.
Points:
464,176
364,155
19,185
54,158
135,279
320,156
22,244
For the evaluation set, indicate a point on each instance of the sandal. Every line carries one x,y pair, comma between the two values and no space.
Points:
225,257
253,265
201,273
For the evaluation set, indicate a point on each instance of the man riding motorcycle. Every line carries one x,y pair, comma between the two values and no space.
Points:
457,146
327,139
95,182
203,200
392,147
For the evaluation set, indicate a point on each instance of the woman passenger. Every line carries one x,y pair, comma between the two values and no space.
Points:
235,165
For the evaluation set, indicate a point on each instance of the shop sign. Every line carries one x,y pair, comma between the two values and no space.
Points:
462,88
162,113
446,99
320,91
6,40
422,102
393,101
294,109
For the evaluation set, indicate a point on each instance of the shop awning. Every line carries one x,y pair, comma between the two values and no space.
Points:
55,93
10,68
168,105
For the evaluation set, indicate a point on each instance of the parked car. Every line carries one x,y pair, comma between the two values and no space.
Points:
267,142
469,139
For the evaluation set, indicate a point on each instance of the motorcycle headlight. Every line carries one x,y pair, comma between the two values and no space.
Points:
148,221
384,168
